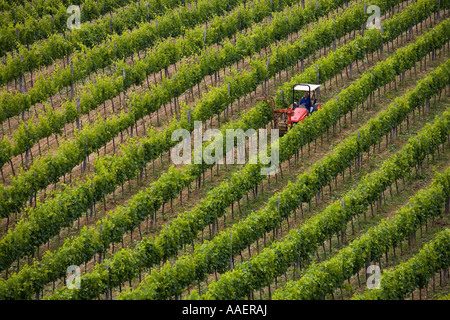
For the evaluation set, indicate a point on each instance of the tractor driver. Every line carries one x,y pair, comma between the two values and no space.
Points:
306,102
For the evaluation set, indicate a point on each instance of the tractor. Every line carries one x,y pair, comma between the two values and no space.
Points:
284,119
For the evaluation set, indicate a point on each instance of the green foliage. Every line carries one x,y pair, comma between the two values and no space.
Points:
300,243
39,20
110,170
397,283
171,23
212,103
166,53
323,279
213,255
118,223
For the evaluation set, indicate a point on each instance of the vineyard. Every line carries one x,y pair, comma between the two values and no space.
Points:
93,205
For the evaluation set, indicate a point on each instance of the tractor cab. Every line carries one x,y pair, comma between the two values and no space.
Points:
301,111
284,119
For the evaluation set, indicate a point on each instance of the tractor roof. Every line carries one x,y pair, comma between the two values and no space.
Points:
306,87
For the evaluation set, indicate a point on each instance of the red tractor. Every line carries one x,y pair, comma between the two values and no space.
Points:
284,119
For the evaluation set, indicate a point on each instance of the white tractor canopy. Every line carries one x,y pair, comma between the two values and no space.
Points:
312,89
306,87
